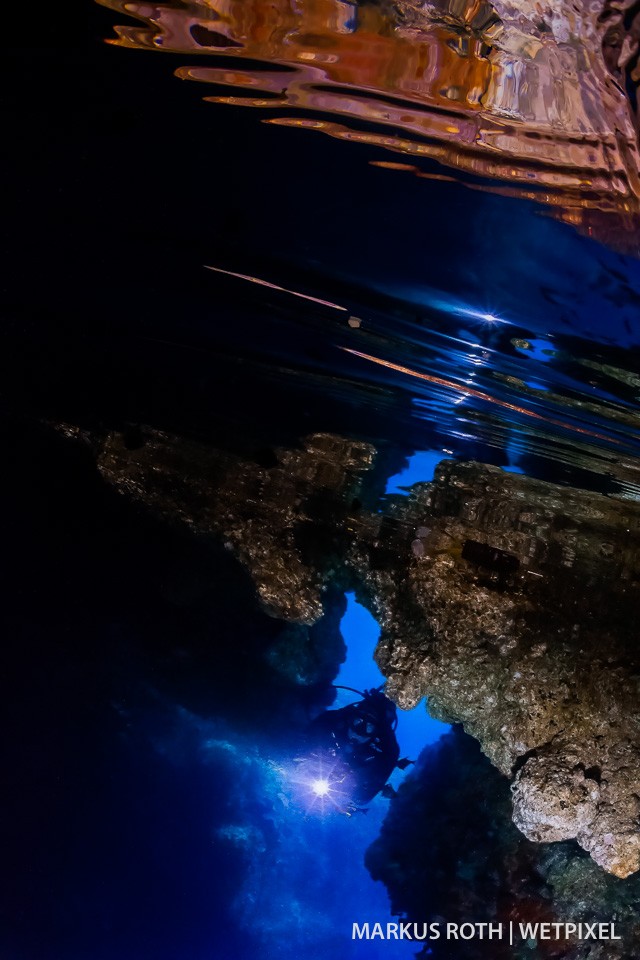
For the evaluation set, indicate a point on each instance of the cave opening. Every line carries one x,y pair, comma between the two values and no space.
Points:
416,729
420,467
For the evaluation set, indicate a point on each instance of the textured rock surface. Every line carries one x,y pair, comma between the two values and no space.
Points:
448,849
262,512
510,602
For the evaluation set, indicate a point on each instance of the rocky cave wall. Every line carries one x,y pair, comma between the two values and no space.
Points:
509,602
449,849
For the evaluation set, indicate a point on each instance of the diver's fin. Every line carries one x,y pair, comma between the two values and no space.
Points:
404,763
388,792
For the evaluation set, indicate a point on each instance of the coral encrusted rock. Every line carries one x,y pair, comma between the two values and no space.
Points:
448,848
511,603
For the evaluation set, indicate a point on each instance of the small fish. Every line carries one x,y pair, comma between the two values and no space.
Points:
404,763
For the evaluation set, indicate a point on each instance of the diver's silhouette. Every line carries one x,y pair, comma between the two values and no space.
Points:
362,736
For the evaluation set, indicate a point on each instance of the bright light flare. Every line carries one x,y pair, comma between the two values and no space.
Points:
490,318
322,784
458,308
321,788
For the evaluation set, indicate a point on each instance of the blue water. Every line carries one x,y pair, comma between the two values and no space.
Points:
297,879
420,468
302,881
303,901
416,729
136,828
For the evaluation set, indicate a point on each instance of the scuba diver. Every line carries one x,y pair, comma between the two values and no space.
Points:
357,748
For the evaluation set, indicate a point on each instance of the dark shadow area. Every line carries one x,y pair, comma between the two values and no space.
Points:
448,851
125,642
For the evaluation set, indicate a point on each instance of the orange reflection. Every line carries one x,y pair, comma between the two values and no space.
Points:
490,90
274,286
480,395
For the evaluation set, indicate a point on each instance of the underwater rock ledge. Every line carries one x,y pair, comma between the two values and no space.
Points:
510,602
511,605
448,849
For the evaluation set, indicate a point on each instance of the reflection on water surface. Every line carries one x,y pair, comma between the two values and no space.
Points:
517,92
387,386
511,98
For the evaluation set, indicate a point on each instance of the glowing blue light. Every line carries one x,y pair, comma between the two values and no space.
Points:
321,784
461,310
320,787
490,318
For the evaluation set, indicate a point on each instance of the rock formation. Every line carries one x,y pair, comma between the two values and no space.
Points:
448,849
510,602
511,605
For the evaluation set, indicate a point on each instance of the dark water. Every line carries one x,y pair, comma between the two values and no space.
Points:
228,275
